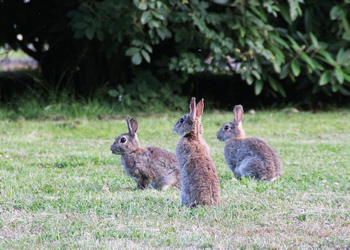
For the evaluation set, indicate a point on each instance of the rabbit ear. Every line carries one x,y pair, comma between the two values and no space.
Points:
128,124
199,108
238,110
193,107
134,126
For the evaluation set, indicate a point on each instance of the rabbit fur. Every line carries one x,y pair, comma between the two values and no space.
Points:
248,157
146,166
199,180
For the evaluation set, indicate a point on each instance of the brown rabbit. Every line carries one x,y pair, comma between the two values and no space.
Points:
248,157
199,180
150,165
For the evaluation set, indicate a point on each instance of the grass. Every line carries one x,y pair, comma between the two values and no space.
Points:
61,188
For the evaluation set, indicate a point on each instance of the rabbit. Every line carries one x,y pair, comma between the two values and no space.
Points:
149,165
248,157
199,180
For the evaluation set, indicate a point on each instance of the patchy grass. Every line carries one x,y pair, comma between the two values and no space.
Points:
61,187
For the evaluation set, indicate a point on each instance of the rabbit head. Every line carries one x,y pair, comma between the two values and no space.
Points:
127,143
232,130
191,123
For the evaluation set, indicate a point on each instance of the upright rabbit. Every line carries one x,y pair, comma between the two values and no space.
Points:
199,180
150,165
248,157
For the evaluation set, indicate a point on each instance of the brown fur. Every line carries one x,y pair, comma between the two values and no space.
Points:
199,179
248,157
146,166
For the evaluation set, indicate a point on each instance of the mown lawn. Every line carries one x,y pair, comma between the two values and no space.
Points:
62,188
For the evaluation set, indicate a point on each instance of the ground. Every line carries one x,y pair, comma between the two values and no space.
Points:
61,188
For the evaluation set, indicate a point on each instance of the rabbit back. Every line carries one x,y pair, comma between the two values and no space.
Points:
252,157
152,166
199,180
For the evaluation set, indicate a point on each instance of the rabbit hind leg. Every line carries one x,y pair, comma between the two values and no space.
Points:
249,167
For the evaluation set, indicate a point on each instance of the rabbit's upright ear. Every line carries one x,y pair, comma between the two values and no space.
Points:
200,108
193,107
134,126
238,111
128,123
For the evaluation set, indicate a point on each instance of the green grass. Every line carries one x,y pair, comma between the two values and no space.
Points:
61,188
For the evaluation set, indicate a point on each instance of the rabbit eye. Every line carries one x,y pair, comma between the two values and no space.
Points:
181,120
226,127
122,140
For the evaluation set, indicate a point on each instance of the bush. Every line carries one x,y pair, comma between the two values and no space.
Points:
262,41
136,48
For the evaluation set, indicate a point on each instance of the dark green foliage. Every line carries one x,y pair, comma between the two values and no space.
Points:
306,43
145,49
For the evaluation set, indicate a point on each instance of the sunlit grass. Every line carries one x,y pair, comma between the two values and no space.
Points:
62,188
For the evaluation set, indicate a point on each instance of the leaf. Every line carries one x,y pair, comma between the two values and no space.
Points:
113,93
80,25
344,91
314,40
339,75
294,9
343,58
281,90
308,60
258,87
295,67
278,39
132,51
163,33
235,26
146,56
295,45
142,6
317,65
277,66
154,24
256,74
148,47
335,87
158,15
309,18
285,71
284,9
90,32
249,80
346,35
273,83
136,59
346,76
136,42
325,78
336,12
327,56
146,17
